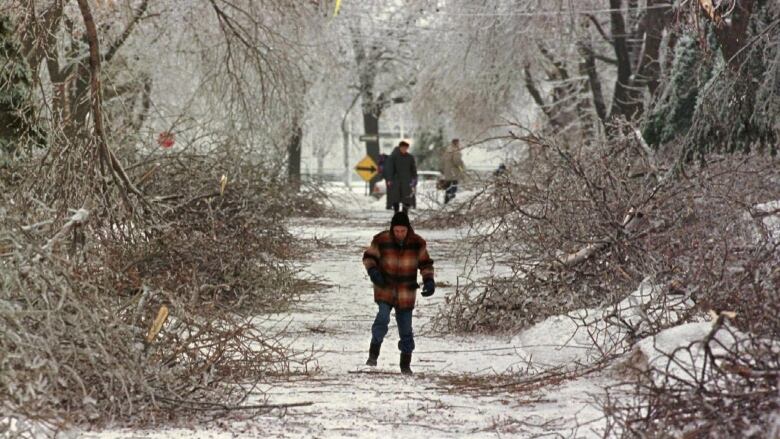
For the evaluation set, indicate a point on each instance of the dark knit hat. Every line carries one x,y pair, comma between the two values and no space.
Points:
400,219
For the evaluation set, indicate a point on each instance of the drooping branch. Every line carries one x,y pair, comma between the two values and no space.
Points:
96,97
107,158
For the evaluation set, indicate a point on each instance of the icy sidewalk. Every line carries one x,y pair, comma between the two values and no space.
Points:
350,399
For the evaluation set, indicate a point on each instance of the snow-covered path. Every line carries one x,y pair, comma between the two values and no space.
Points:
352,400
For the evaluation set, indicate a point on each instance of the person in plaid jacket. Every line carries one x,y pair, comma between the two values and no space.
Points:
392,261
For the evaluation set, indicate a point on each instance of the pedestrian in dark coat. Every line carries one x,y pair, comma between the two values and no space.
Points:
400,174
392,261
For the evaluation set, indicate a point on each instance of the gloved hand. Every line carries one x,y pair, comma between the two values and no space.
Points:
376,276
413,183
429,286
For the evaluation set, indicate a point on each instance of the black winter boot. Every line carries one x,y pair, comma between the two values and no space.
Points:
406,360
373,354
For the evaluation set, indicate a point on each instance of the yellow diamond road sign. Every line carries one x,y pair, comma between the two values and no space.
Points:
366,168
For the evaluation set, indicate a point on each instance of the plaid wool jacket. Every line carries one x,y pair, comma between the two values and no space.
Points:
398,265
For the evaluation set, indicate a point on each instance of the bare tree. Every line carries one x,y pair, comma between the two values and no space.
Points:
381,40
140,298
572,46
41,25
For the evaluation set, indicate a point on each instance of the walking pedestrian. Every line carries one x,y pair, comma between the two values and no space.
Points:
452,169
400,174
392,261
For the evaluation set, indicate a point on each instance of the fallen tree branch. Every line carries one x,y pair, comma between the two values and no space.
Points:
209,406
107,157
628,226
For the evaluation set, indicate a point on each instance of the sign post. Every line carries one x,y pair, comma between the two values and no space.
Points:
367,168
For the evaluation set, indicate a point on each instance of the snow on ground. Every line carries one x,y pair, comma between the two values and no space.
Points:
566,340
352,198
350,399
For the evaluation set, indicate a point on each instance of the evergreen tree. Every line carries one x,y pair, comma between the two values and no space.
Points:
730,114
766,112
711,106
17,126
673,113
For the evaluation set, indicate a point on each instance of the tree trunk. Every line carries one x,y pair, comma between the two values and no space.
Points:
732,36
585,106
530,85
635,31
649,69
371,128
624,103
589,67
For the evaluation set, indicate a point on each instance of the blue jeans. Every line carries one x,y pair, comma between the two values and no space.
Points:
449,193
404,320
